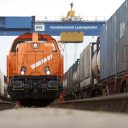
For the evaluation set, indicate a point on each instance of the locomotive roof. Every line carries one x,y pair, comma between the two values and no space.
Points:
28,37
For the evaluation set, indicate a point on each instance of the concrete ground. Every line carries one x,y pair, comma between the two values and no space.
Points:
60,118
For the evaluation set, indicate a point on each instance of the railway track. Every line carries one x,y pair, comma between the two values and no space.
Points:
6,105
115,103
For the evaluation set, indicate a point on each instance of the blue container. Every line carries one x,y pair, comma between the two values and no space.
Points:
114,44
69,80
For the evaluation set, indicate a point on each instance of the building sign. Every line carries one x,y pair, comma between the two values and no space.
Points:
39,27
55,28
14,26
73,28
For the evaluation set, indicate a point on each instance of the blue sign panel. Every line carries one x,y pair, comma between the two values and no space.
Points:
55,28
12,33
18,22
13,26
2,22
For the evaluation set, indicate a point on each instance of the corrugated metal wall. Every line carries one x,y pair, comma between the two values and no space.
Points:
114,43
85,63
69,79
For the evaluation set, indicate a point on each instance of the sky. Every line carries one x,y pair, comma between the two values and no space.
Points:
53,9
58,7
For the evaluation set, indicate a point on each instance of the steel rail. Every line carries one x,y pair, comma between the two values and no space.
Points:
6,105
114,103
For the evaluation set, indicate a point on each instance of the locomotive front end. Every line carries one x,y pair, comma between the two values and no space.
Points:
38,67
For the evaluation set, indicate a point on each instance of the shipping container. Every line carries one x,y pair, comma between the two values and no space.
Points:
69,80
75,78
114,43
3,85
65,81
85,65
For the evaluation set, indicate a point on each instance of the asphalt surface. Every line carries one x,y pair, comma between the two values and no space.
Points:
60,118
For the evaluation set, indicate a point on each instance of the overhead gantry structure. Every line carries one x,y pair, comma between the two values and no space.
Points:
14,26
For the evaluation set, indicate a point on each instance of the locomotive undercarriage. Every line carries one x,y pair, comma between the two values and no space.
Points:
85,92
109,86
34,87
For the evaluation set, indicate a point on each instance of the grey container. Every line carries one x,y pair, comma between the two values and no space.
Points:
69,80
114,43
85,66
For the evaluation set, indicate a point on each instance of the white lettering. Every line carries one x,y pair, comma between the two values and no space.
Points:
42,61
74,27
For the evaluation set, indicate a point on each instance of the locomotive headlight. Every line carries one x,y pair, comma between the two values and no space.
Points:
47,70
23,70
35,45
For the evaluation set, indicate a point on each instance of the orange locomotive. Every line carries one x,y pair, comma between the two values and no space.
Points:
34,67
